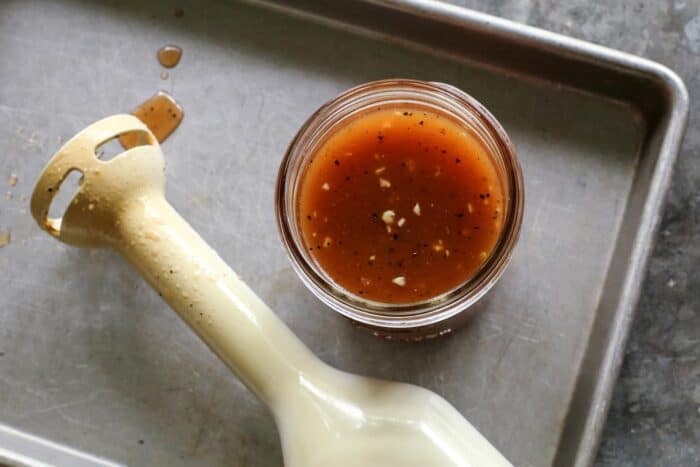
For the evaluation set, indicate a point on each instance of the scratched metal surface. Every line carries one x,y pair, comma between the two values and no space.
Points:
89,355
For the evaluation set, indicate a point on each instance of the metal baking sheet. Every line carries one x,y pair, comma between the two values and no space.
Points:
89,355
18,449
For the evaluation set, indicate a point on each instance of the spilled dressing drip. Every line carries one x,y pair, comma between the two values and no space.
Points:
4,238
169,55
161,114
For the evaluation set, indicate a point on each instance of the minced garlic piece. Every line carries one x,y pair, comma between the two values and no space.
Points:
388,216
416,209
326,186
373,257
400,281
384,183
327,242
470,208
401,222
380,170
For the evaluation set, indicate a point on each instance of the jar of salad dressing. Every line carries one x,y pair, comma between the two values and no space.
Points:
399,203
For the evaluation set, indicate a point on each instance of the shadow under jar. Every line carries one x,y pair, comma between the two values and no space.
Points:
399,203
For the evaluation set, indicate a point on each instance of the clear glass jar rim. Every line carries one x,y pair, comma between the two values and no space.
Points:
436,309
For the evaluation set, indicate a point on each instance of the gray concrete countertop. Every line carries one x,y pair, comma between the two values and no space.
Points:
655,416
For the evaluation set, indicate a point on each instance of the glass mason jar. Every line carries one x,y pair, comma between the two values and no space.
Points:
437,315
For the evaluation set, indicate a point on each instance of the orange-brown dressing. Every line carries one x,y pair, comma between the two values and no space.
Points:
161,114
169,56
400,205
